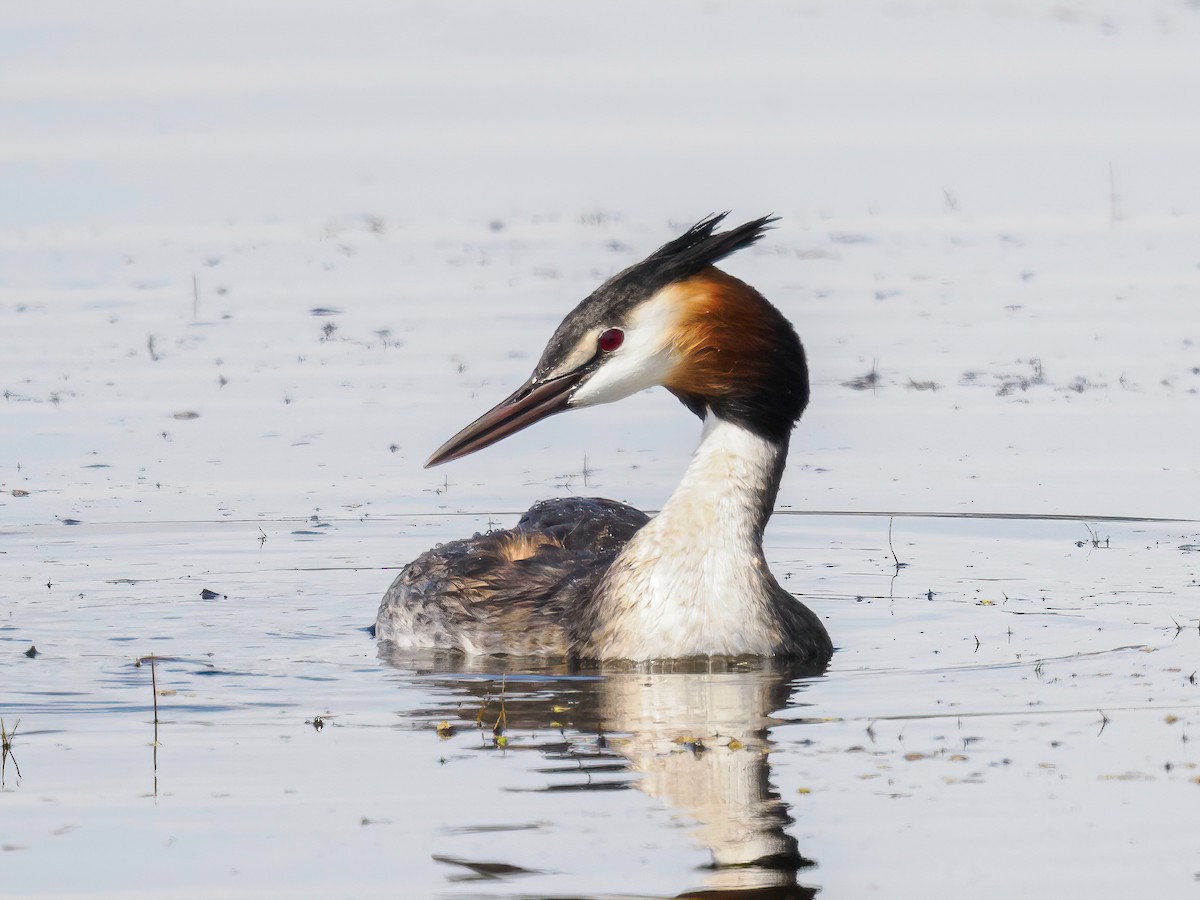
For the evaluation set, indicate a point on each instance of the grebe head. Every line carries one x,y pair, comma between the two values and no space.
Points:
675,320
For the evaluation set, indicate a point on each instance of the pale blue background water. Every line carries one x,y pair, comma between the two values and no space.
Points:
338,234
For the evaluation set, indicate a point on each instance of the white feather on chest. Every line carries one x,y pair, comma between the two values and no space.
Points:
694,580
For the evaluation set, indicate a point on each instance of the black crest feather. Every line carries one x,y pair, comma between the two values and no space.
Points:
699,247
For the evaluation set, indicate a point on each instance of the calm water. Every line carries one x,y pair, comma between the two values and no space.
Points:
253,272
1036,708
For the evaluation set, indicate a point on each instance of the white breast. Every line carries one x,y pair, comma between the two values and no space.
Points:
694,580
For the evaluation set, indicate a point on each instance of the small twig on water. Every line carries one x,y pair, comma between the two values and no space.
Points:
501,720
154,702
896,559
6,752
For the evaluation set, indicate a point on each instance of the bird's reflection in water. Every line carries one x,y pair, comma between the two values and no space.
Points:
693,731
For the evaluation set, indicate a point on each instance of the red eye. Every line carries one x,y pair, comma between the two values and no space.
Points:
611,339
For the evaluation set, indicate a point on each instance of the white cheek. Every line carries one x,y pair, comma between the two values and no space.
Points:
622,375
643,361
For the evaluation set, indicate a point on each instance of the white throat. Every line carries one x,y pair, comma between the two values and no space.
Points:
694,580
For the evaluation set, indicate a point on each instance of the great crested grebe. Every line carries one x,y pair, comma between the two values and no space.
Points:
595,579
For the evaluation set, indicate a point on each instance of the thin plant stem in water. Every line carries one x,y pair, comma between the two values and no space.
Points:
895,559
154,701
6,752
498,737
501,720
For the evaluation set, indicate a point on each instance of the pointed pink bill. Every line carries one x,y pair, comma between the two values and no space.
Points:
527,404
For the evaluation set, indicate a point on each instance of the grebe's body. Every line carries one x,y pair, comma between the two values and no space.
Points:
594,579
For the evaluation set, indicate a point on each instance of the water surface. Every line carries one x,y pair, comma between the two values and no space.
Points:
253,269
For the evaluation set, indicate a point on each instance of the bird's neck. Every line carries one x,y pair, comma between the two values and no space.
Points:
694,580
728,491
